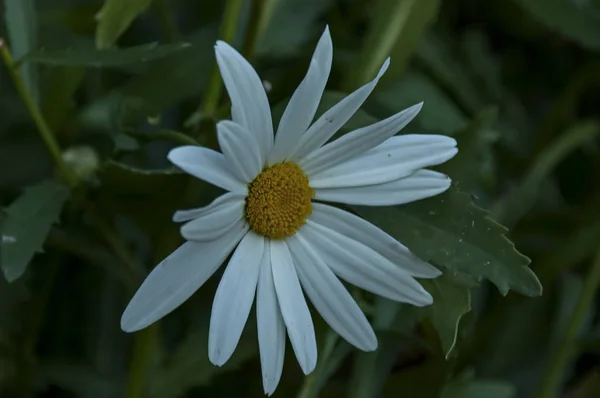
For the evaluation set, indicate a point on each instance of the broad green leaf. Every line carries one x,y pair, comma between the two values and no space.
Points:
58,100
439,115
395,31
450,231
569,20
478,389
179,76
450,302
21,26
28,221
115,17
291,23
519,201
92,57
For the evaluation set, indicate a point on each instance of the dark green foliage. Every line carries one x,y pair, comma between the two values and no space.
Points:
515,82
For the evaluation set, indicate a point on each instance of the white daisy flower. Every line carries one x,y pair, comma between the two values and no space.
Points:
285,245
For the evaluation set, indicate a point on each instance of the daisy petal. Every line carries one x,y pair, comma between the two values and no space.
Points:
177,277
371,236
187,215
332,120
293,306
358,141
302,107
213,224
420,185
207,165
249,103
396,158
271,328
364,267
240,150
234,298
330,297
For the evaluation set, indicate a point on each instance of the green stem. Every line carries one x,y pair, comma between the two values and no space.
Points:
167,20
143,343
33,325
568,347
227,32
69,176
168,135
259,16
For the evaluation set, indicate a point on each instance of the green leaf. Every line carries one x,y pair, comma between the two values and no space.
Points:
450,231
115,17
179,76
21,26
395,31
440,114
478,389
564,16
28,221
520,200
450,302
92,57
59,91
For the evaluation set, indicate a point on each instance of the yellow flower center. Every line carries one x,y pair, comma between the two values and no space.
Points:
279,200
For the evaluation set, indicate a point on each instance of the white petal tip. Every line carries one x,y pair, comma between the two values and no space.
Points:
370,347
308,369
424,300
128,326
383,68
176,153
216,359
269,386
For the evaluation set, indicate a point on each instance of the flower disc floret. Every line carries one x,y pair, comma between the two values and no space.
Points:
279,201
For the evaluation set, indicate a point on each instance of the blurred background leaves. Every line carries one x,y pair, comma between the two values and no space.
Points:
119,83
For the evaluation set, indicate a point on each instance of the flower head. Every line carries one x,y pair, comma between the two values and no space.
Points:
286,243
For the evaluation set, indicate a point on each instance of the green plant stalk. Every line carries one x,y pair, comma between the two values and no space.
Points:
144,342
259,17
169,135
66,173
215,86
311,383
167,20
380,41
568,347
